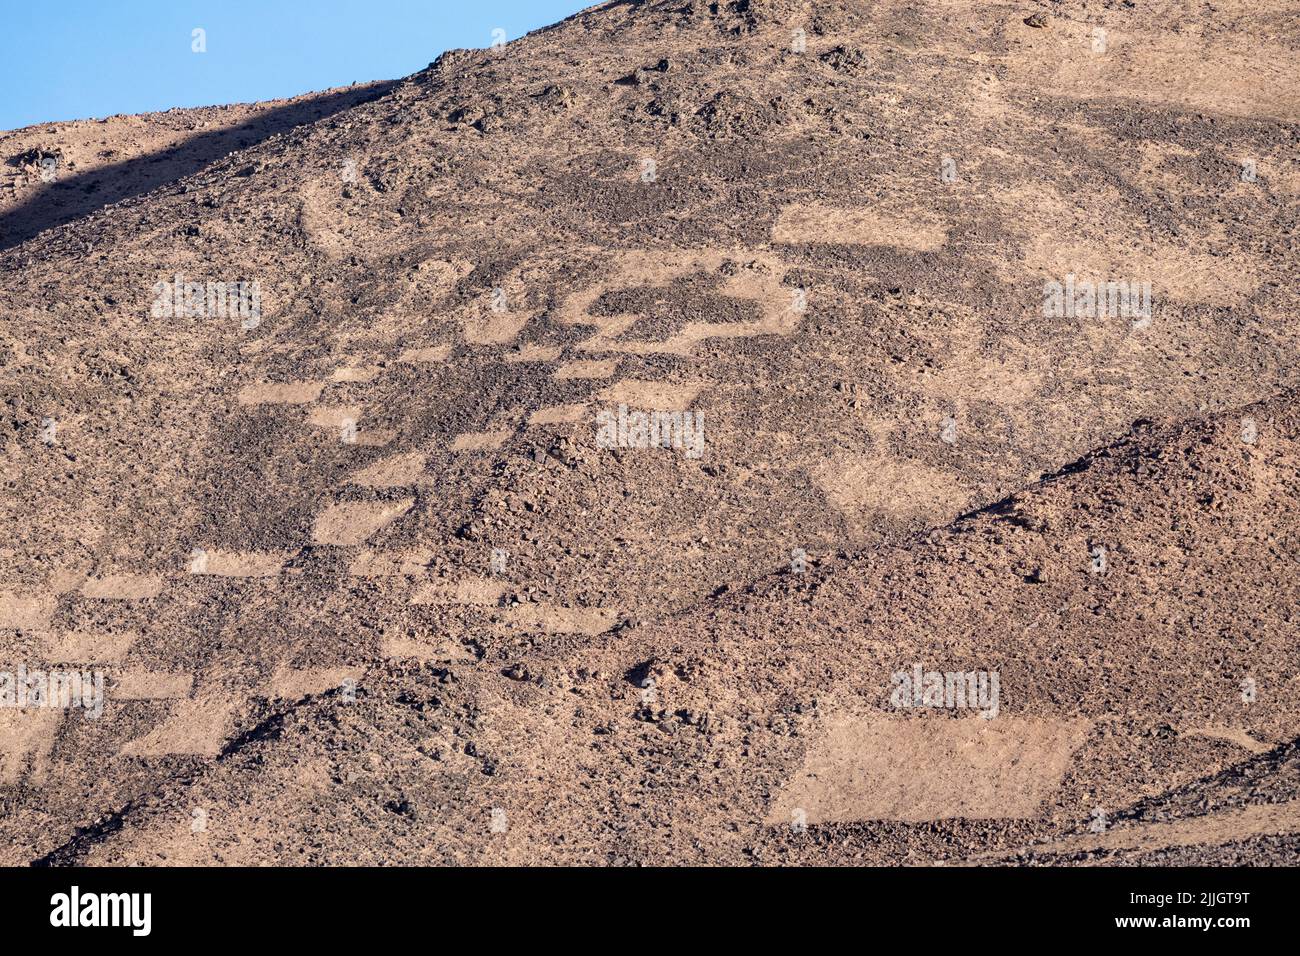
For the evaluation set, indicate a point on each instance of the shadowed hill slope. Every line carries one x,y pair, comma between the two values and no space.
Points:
59,172
360,565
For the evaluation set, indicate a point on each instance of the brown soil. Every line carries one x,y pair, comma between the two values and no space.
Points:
367,585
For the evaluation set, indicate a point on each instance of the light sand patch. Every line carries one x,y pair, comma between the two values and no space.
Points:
1174,272
663,396
63,581
878,767
26,611
84,647
198,725
26,740
429,649
288,393
480,441
558,415
397,471
858,485
563,620
1098,237
445,273
335,416
295,683
495,328
583,369
435,353
123,587
1214,829
352,522
477,591
1227,71
533,353
811,222
388,564
150,685
242,564
355,373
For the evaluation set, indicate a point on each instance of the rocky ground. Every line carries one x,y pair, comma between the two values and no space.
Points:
368,584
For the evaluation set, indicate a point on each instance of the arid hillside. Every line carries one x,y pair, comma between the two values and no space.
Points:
764,431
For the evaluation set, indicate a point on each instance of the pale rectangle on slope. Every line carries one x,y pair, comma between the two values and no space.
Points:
879,767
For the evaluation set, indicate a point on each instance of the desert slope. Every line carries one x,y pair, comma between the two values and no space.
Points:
363,570
696,739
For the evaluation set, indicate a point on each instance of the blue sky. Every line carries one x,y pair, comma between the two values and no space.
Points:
91,58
